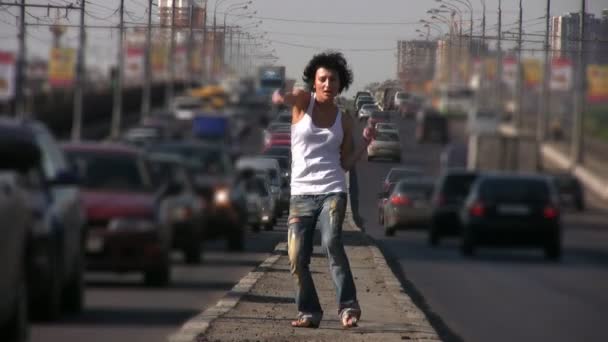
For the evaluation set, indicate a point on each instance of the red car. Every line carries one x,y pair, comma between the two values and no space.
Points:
278,139
124,232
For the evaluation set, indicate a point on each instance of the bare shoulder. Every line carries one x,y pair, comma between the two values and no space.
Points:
302,100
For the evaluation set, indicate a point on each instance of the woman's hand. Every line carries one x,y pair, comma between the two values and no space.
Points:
369,134
277,97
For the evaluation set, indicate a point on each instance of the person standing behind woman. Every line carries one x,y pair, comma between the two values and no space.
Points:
322,151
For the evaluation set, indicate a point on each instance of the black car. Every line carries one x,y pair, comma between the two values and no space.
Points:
509,209
214,177
18,220
56,249
452,189
431,126
569,190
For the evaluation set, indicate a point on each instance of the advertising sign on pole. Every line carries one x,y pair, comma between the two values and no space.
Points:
62,67
597,81
509,71
561,74
7,76
533,72
134,66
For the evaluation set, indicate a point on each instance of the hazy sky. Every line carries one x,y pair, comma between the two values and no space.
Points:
365,31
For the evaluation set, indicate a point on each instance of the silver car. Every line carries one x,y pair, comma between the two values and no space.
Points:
408,204
385,145
260,209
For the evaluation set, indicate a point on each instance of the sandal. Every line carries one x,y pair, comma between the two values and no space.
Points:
304,322
350,319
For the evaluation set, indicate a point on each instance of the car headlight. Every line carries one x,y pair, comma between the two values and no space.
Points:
129,224
221,197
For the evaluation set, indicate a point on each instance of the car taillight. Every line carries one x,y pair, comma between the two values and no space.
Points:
400,200
550,212
477,209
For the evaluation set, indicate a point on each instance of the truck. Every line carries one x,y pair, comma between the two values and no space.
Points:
270,78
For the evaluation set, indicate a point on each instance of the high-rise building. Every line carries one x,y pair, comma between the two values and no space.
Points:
182,13
415,61
564,37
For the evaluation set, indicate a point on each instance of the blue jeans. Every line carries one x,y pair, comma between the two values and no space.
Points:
329,210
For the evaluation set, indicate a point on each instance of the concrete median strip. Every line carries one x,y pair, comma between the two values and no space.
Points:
252,309
199,324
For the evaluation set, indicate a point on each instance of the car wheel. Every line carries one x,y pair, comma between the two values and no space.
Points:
580,204
434,237
192,252
17,327
467,247
236,241
47,306
388,231
160,276
73,293
553,249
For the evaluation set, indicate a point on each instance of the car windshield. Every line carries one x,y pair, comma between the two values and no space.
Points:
421,189
385,126
369,106
380,115
278,151
514,190
461,93
402,96
256,186
397,174
110,171
204,159
387,136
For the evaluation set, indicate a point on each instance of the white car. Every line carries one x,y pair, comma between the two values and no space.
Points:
387,127
367,110
385,145
185,107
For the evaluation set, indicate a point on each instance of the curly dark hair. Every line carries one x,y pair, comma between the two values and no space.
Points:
332,61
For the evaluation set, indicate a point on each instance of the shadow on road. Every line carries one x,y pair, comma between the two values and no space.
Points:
130,316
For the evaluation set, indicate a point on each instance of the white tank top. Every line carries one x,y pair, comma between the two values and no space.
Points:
315,154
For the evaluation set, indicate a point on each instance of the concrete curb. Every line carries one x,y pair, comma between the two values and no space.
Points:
588,178
395,289
199,324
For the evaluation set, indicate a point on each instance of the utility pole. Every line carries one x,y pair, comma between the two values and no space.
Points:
519,82
21,64
117,110
169,86
483,24
190,77
80,78
147,86
579,100
545,105
499,62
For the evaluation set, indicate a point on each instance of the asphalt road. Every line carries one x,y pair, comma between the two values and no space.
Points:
501,294
119,308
